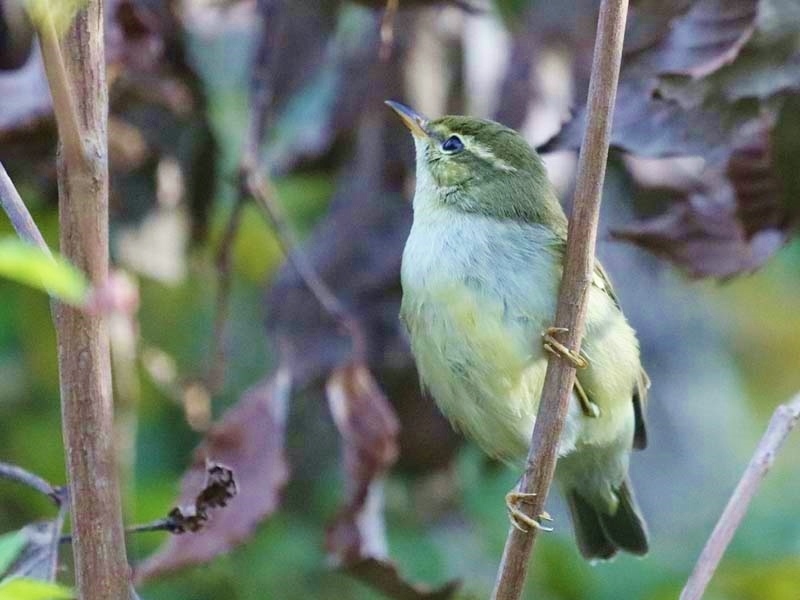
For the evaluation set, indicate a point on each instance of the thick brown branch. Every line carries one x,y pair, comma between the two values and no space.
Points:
80,98
572,297
783,421
17,212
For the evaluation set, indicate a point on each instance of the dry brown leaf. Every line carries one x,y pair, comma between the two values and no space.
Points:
709,36
737,222
369,429
249,440
356,539
219,489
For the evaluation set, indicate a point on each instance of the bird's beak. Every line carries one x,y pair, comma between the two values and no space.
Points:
415,122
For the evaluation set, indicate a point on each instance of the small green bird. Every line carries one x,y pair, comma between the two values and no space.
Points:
480,275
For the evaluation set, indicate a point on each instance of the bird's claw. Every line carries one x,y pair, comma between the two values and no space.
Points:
552,345
518,518
589,408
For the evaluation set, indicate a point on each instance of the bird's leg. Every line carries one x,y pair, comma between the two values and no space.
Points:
518,518
551,344
590,409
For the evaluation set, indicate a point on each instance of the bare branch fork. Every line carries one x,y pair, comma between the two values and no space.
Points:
572,298
783,421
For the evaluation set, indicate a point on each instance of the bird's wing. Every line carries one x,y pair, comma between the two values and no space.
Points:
601,281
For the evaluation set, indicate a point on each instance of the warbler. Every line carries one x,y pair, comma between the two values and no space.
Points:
480,276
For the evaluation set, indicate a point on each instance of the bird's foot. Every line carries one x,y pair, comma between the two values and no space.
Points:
518,518
590,409
552,345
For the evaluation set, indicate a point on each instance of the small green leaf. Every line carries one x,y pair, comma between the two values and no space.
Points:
11,544
31,589
29,265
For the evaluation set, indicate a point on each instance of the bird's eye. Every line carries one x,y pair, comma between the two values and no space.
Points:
453,144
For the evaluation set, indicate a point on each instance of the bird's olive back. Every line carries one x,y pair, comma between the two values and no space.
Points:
483,167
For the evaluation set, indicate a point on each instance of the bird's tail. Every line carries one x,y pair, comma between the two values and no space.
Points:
601,534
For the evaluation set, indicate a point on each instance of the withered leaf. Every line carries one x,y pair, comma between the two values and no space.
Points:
704,237
708,36
713,86
250,441
356,540
651,126
369,428
649,22
219,489
740,220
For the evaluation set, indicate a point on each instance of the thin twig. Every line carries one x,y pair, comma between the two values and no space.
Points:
261,95
69,132
262,191
58,495
20,475
579,264
165,524
780,425
18,213
254,183
216,373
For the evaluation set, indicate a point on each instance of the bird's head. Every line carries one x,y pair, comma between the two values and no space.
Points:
479,166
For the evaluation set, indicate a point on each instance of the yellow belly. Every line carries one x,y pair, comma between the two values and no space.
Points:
481,369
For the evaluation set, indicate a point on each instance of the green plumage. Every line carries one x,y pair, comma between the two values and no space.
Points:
480,276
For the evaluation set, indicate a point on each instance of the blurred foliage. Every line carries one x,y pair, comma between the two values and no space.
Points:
32,266
721,355
30,589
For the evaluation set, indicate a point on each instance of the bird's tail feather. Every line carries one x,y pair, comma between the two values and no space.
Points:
600,534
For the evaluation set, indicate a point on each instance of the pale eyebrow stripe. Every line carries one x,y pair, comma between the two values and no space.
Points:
483,152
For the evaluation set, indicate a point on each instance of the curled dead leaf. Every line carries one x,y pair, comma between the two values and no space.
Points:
219,489
250,441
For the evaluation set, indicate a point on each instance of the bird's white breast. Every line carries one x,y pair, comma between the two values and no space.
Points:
477,294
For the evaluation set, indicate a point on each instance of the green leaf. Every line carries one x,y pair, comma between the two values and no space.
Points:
11,544
29,265
30,589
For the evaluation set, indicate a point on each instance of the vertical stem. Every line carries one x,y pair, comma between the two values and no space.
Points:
101,566
579,264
